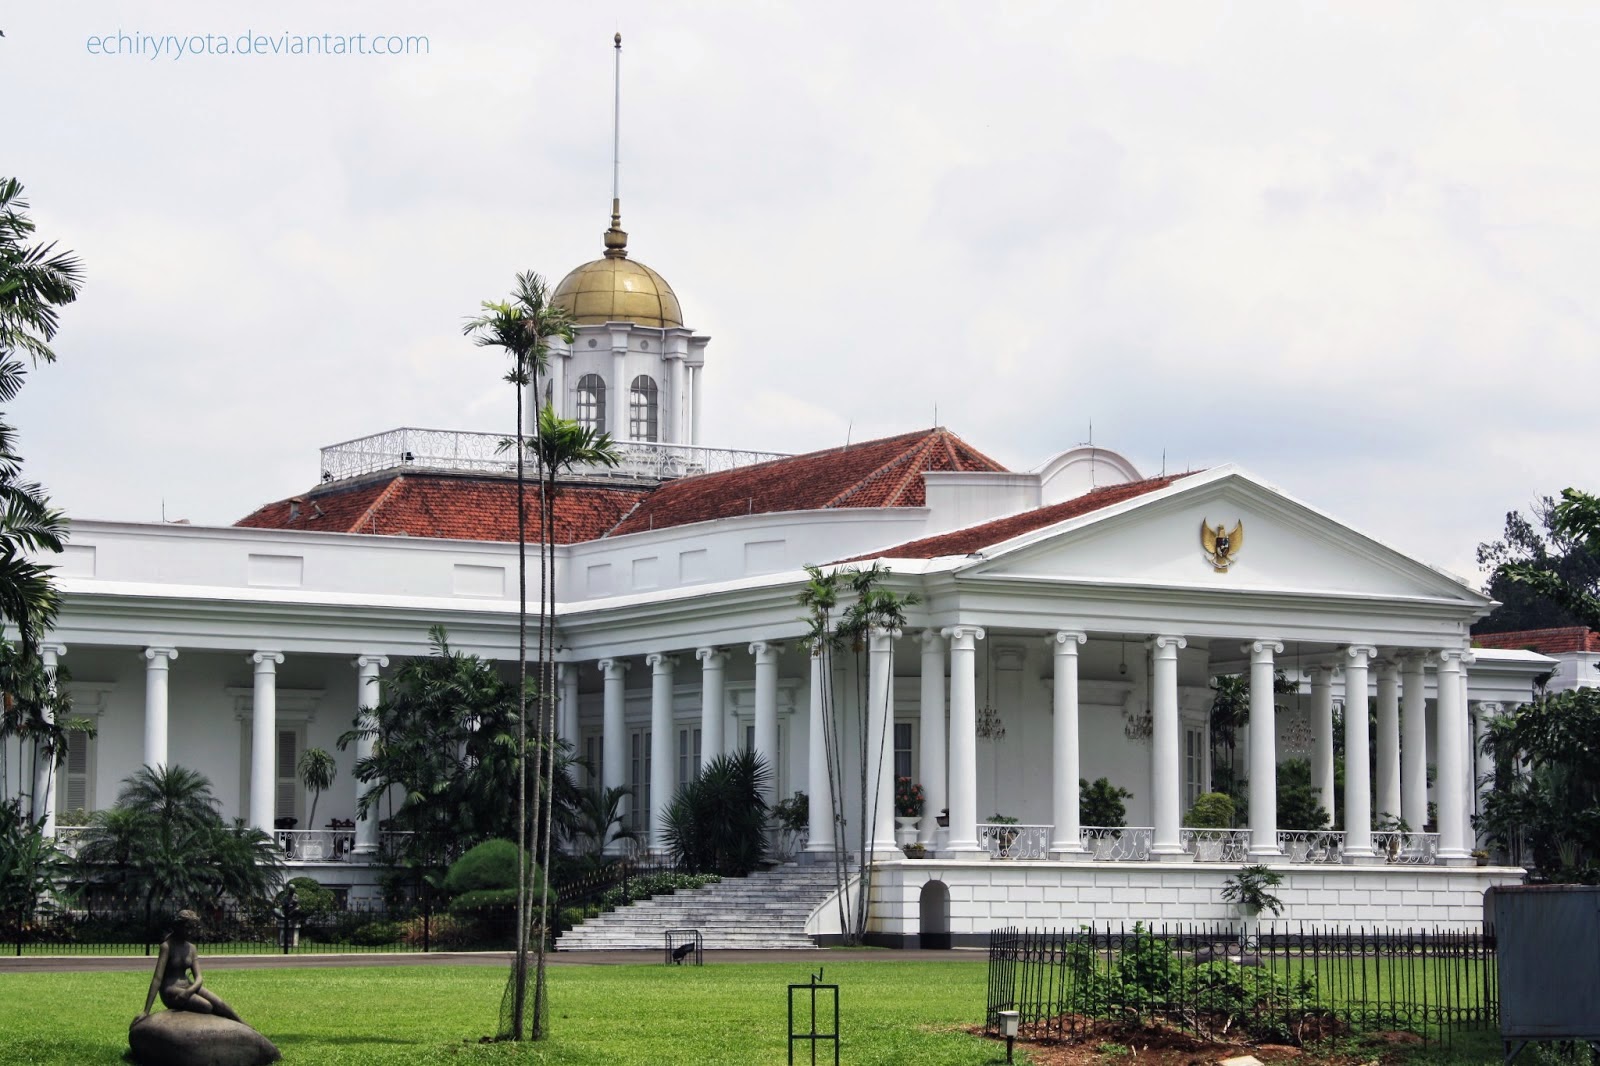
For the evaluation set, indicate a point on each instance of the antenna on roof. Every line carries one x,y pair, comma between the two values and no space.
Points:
1163,462
848,427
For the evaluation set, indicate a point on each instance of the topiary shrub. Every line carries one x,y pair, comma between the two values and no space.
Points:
309,898
1101,803
1213,810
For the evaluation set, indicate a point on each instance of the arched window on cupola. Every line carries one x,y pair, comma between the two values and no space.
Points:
592,402
642,407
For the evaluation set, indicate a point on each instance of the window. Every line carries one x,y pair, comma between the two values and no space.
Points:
688,756
903,764
639,779
592,402
642,408
288,785
74,789
594,751
1194,765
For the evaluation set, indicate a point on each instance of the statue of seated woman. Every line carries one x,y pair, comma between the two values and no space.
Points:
171,982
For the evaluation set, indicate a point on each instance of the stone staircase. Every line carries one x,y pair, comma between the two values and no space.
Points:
768,909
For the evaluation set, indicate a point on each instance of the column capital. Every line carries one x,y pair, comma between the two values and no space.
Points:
161,656
1359,654
1414,659
1487,709
1167,645
1263,650
930,637
265,660
710,655
1067,640
1386,665
962,636
1451,659
661,662
370,662
51,649
762,649
882,637
613,667
1319,673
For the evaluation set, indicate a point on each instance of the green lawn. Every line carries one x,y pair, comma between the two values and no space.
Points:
892,1012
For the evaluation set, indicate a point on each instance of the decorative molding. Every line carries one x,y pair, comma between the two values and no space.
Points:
1008,656
91,698
293,704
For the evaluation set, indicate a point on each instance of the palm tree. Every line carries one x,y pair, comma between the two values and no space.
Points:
558,445
522,327
35,279
316,771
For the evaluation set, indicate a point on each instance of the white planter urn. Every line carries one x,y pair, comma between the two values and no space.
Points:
906,830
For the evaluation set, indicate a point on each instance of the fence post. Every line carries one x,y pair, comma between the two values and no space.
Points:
427,923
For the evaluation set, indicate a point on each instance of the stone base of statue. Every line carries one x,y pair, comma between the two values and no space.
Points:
188,1038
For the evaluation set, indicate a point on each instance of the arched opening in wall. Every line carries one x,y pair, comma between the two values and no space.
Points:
642,400
933,925
592,402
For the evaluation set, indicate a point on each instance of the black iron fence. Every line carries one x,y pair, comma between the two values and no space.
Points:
121,928
1288,986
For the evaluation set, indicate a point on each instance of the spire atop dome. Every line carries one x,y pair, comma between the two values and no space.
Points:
616,237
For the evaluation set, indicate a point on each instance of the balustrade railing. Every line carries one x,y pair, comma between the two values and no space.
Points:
488,453
1117,844
1008,841
69,838
1406,849
1312,846
315,845
1216,845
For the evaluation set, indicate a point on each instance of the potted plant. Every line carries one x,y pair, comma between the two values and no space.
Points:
1480,856
1213,811
1251,890
1397,828
914,850
1003,837
909,799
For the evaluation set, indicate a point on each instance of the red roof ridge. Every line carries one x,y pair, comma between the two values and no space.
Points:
371,513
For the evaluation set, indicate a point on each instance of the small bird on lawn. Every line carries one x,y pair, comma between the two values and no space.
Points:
680,952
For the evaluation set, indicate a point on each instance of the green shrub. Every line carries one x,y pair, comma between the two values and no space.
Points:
373,934
311,900
492,864
1214,810
1101,803
486,900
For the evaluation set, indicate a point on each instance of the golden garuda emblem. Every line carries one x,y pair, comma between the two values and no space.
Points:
1221,546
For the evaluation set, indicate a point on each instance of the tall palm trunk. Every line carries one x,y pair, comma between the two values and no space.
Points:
519,967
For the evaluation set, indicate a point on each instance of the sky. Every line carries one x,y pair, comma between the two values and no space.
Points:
1349,247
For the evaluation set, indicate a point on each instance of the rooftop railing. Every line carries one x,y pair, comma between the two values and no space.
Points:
455,451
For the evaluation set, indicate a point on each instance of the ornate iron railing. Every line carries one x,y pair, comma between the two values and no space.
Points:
69,838
491,453
1117,844
1216,845
1312,846
1009,841
1406,849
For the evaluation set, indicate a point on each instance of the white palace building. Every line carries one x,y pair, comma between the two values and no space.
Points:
1069,622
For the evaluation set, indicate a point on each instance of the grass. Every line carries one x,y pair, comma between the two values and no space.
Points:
901,1012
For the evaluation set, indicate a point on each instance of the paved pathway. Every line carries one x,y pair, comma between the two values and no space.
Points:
124,963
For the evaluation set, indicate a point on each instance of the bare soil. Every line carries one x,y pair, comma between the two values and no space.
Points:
1104,1042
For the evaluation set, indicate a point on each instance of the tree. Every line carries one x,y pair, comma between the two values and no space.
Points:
1101,803
873,606
165,846
717,823
316,771
35,280
1545,569
523,327
1544,808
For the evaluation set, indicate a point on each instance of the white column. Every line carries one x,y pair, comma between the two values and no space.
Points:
662,762
713,665
567,678
613,738
44,785
936,797
819,837
1357,756
1483,761
157,662
694,406
1166,771
1386,787
1067,840
963,837
264,741
766,715
1263,752
619,395
1414,741
880,739
1322,777
367,697
1454,849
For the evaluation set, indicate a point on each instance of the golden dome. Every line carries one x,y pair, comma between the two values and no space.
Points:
618,289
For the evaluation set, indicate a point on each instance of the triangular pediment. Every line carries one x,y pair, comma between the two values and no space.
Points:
1156,539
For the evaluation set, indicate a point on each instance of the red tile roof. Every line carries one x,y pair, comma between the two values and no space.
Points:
878,473
453,507
976,538
1543,641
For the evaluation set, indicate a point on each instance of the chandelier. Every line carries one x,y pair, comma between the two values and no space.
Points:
990,726
1138,725
1297,736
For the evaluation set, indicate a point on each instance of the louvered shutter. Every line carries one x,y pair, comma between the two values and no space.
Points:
77,773
288,742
